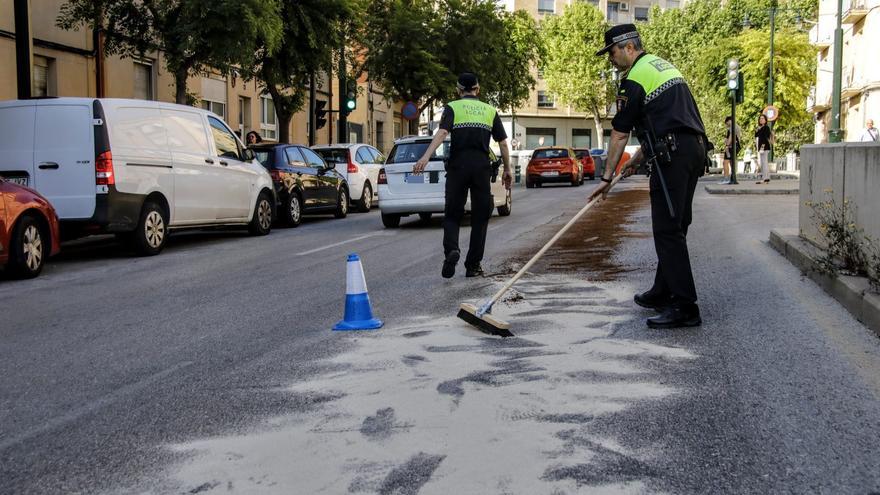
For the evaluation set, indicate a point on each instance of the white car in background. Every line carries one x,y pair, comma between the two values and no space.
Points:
360,165
402,193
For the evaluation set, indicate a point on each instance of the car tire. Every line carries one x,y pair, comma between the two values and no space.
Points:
261,222
504,210
537,184
151,233
341,204
292,213
366,201
582,180
529,184
592,176
426,217
391,220
27,248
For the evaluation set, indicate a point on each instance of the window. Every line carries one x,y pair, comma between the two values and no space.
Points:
546,6
224,141
672,4
641,14
380,135
268,119
613,9
594,3
581,138
294,157
551,153
214,95
143,79
44,77
364,156
378,157
397,129
244,115
215,106
355,133
545,100
540,73
411,152
312,158
540,136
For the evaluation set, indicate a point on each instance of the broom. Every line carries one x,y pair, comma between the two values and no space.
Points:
481,318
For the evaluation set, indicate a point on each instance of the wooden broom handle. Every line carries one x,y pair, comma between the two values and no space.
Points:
550,243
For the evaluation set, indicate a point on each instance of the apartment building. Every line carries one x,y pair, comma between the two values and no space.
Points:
64,64
543,121
860,79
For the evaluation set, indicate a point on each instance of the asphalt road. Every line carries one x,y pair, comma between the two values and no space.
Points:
212,368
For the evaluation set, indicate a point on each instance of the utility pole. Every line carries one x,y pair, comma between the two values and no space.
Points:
835,135
312,125
343,116
734,84
773,8
24,49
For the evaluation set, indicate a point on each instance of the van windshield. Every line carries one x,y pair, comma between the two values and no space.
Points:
411,152
551,153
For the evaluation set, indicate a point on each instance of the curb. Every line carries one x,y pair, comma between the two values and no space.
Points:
749,190
851,292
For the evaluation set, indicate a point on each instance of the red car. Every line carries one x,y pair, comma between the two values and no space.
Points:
554,164
583,154
29,230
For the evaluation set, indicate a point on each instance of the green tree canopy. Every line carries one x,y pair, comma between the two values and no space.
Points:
192,34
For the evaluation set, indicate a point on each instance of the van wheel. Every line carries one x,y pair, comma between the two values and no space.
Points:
342,204
261,223
504,210
390,221
293,210
27,248
366,201
151,233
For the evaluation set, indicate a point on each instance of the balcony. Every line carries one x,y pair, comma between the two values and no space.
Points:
850,84
818,104
854,11
821,38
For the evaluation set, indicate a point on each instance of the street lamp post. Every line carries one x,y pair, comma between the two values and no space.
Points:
835,134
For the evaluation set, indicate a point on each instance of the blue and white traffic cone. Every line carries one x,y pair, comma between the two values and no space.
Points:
358,313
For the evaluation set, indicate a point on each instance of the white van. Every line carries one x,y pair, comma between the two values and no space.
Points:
133,167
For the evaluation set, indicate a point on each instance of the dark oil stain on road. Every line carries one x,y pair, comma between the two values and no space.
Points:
591,243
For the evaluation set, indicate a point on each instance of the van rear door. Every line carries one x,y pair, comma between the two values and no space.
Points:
17,141
64,161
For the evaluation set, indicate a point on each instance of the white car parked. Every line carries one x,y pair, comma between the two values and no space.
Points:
360,165
133,167
401,193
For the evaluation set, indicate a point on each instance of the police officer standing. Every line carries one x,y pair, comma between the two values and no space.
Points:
471,123
655,101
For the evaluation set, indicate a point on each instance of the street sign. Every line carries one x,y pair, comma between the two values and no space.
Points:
410,111
771,112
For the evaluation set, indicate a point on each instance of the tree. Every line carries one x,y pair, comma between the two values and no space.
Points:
193,35
520,49
313,31
574,74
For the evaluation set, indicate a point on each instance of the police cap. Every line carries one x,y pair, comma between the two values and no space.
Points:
616,34
467,81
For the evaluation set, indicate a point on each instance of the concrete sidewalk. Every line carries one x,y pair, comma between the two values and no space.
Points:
747,184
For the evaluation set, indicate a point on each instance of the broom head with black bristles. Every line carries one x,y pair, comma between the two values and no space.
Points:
486,323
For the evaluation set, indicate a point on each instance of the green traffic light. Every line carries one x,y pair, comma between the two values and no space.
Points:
350,104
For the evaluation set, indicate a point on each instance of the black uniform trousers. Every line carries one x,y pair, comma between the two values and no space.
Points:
460,180
674,276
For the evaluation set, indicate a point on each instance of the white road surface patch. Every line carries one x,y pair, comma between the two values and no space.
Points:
435,407
340,243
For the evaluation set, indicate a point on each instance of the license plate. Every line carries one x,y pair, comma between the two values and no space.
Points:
22,181
550,174
411,178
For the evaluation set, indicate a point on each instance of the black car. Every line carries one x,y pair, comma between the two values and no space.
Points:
304,182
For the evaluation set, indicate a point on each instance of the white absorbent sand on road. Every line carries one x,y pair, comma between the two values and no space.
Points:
433,406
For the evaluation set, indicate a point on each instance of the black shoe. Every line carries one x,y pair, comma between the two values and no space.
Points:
652,300
449,263
473,271
677,316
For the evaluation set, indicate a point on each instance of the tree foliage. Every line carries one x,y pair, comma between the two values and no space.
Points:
193,35
574,74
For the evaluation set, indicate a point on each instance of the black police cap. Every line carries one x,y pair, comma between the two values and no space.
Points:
616,34
467,81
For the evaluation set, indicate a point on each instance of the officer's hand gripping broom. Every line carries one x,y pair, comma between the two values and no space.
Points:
481,317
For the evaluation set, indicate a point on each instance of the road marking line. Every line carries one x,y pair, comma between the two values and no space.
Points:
91,407
354,239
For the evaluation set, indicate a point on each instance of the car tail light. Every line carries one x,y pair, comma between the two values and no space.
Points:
352,168
383,179
104,170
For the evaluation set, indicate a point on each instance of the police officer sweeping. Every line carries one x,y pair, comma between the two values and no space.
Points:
471,123
655,101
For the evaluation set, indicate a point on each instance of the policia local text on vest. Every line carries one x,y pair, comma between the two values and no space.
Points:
471,123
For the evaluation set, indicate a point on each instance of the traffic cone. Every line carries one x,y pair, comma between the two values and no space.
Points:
358,313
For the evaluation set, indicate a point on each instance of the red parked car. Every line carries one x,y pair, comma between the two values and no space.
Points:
583,154
554,164
29,231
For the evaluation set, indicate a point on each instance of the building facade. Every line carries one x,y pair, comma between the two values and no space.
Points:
860,79
65,64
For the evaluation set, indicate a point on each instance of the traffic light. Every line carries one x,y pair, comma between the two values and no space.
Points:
733,78
320,114
740,88
350,102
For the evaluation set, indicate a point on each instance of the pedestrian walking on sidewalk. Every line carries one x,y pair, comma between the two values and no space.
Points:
871,133
654,99
471,123
764,143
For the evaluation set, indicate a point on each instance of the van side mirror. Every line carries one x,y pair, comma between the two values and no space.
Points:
249,154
